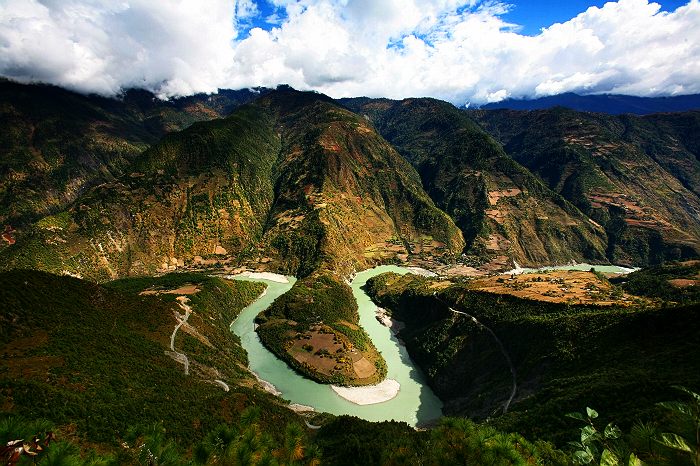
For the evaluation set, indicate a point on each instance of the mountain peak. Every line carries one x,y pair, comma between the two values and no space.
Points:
614,104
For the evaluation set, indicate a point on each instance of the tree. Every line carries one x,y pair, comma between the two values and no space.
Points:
685,422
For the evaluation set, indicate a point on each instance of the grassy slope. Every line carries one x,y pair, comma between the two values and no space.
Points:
658,282
462,168
600,162
620,360
91,358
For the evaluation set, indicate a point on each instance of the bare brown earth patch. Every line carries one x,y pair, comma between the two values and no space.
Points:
494,196
183,290
556,286
32,366
683,282
8,235
349,324
21,346
363,368
330,353
320,348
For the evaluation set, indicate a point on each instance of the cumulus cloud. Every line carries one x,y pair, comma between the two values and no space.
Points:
458,50
105,45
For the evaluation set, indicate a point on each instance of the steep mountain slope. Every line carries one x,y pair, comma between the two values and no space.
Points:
307,183
542,359
200,193
56,143
618,170
291,183
343,184
503,210
97,361
614,104
344,200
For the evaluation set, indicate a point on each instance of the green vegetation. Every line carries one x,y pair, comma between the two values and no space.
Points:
672,282
635,176
563,355
95,357
56,143
209,187
300,249
489,195
320,304
350,441
672,438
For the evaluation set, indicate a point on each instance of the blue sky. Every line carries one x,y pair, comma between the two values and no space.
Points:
456,50
534,15
531,15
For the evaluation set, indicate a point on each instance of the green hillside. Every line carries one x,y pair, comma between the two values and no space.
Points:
90,363
621,359
503,210
203,193
97,357
635,176
55,143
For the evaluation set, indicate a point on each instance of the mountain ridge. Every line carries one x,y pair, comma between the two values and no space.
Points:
614,104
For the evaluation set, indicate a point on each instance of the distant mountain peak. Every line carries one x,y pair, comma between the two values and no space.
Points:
614,104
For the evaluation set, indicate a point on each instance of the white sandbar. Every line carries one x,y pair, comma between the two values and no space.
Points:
273,277
421,271
370,394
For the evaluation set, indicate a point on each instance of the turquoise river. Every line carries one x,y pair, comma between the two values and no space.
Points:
415,402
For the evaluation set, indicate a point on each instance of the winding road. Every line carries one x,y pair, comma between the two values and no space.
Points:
500,345
181,357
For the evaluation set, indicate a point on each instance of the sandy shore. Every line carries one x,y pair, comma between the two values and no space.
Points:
421,271
371,394
267,386
299,408
273,277
574,266
386,320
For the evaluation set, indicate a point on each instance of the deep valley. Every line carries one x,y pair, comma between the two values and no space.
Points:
127,219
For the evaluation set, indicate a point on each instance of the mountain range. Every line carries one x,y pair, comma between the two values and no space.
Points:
297,182
614,104
110,196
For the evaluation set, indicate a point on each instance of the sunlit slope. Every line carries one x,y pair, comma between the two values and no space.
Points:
503,210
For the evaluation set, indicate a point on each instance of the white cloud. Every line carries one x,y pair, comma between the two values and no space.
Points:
459,50
102,45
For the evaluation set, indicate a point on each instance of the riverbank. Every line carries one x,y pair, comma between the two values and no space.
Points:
370,394
402,396
273,277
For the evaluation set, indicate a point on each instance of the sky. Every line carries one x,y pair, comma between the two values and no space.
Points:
463,51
